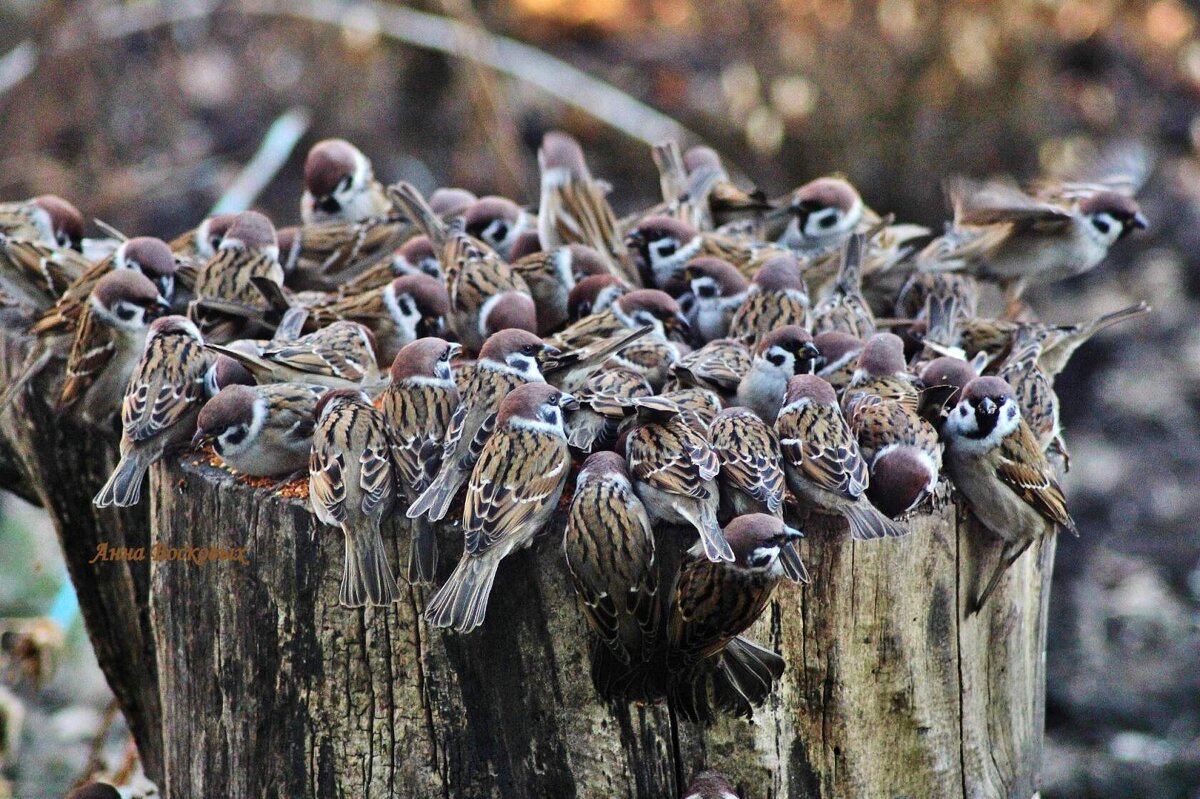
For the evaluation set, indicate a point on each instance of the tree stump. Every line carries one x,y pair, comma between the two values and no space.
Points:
272,689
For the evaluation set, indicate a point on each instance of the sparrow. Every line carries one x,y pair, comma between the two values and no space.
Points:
710,785
569,369
719,290
822,461
261,431
149,256
919,286
777,297
108,343
605,408
942,381
328,255
513,491
713,603
200,243
821,215
708,181
552,275
881,375
338,356
340,185
751,478
839,354
780,355
1003,234
697,406
162,401
1059,342
40,271
661,247
1034,392
652,358
225,371
227,302
995,461
690,207
594,294
399,312
632,311
844,308
352,485
414,257
449,202
720,365
609,549
674,472
574,209
902,453
498,222
486,295
418,405
507,360
47,219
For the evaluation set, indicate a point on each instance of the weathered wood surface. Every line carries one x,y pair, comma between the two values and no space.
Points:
271,689
60,463
890,691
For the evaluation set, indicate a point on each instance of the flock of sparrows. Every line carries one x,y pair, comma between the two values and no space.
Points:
721,362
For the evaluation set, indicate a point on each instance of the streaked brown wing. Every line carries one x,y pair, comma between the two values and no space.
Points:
817,441
518,472
749,455
1025,470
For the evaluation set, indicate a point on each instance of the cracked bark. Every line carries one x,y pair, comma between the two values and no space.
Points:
271,689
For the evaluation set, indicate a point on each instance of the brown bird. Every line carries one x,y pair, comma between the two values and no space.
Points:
716,601
777,297
821,458
995,461
881,376
340,185
844,309
352,485
261,431
674,472
514,488
551,276
902,453
780,355
398,313
605,408
339,356
609,547
418,405
227,304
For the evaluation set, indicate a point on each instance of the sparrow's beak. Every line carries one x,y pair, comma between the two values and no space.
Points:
568,402
792,534
810,350
160,308
987,406
678,323
549,351
455,350
1140,222
201,439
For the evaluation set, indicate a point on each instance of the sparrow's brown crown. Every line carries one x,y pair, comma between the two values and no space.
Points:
329,162
65,219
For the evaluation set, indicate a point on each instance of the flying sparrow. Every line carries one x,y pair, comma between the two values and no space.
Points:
514,489
498,222
881,375
158,413
477,278
839,354
508,359
1001,233
147,255
674,472
609,548
781,354
109,340
352,485
340,185
822,461
605,408
338,356
719,290
399,312
551,276
844,308
261,431
995,461
227,302
777,297
573,207
418,405
714,602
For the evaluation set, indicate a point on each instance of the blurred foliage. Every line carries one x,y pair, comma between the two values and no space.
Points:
145,131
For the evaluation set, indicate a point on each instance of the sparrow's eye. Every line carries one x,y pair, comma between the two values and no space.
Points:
530,349
62,238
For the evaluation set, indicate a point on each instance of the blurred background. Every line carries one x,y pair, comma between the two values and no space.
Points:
144,114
